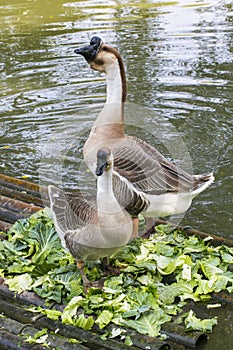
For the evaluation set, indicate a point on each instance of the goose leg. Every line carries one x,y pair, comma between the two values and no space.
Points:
86,283
135,227
149,223
150,228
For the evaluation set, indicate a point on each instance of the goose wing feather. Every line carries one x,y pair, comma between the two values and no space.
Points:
72,211
132,200
148,170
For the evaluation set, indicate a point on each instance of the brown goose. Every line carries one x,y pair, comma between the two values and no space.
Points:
166,188
91,230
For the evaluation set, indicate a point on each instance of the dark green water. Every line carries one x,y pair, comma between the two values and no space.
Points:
179,64
179,61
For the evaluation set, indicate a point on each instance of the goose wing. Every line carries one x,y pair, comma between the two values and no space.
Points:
133,201
148,170
71,211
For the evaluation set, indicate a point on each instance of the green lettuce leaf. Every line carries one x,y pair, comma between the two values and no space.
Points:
71,310
194,323
148,324
104,318
157,276
20,283
84,322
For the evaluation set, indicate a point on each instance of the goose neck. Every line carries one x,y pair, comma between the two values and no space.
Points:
114,84
104,184
106,201
113,110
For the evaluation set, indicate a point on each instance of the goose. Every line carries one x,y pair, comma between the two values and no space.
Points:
91,230
166,188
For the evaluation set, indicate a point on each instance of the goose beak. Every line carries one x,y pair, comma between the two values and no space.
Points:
89,52
100,168
102,161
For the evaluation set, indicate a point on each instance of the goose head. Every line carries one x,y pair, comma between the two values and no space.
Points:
99,55
104,161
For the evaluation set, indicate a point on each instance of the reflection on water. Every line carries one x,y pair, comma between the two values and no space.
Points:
178,56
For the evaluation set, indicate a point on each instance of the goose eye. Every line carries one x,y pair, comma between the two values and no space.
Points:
108,164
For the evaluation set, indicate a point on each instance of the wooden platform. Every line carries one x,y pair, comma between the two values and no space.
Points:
20,199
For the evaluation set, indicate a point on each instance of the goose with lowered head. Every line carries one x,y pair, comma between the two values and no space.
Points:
167,188
91,230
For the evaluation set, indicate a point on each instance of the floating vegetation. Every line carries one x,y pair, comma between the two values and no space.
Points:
159,276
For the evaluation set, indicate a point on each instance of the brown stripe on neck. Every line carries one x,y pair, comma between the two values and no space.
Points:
123,79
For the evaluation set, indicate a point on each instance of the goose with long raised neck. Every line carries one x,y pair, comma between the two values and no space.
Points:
138,167
91,229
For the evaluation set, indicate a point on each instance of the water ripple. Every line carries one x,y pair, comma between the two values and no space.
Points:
178,57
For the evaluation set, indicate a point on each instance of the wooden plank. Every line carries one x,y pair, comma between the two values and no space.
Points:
22,195
16,333
215,241
19,183
9,340
18,199
31,298
18,206
11,216
5,226
28,189
91,339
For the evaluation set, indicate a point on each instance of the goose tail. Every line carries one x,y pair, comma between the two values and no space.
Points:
58,206
201,182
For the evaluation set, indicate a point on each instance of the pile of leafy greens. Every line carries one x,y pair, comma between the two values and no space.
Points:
158,276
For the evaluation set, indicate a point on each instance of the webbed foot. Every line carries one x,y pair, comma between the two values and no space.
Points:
109,269
93,284
149,232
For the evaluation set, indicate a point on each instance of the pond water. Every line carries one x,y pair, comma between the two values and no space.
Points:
179,62
178,56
